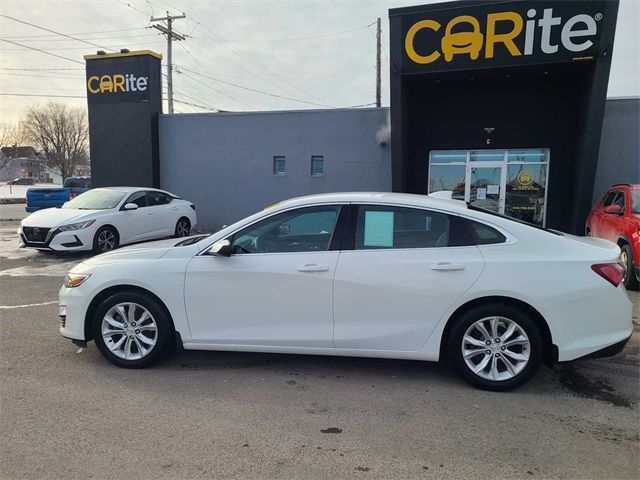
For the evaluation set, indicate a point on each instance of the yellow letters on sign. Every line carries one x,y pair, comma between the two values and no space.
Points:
462,42
408,42
506,38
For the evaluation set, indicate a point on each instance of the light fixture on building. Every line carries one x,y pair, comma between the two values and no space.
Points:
489,131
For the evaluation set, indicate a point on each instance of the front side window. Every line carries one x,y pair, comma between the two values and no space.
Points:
317,165
307,229
399,227
608,198
139,198
619,199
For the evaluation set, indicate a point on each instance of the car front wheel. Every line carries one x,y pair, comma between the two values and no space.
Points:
105,240
132,330
495,347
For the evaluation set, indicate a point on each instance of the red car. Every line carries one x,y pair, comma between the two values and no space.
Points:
616,217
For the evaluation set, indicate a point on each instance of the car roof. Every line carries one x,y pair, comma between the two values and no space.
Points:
405,199
133,189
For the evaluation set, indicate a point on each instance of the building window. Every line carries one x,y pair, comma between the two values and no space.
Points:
317,165
279,165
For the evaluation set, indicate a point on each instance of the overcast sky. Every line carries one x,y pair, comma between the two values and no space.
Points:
315,52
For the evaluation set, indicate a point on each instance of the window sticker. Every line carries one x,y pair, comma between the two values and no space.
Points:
493,189
481,194
378,229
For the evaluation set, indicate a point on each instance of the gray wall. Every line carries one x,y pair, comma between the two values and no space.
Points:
619,157
223,162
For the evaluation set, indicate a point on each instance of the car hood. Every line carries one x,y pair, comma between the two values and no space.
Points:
55,217
141,251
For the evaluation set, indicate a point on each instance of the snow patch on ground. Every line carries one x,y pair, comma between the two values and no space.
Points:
20,191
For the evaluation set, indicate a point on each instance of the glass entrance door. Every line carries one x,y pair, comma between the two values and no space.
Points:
485,185
512,182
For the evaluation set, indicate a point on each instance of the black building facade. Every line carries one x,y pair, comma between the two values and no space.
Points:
124,96
502,103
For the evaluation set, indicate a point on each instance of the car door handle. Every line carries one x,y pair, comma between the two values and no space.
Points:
446,266
312,267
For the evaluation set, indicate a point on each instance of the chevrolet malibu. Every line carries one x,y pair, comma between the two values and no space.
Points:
105,218
360,274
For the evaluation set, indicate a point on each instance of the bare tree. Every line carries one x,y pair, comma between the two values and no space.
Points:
62,133
10,135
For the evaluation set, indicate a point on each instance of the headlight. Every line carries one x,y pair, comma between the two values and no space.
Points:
76,226
75,279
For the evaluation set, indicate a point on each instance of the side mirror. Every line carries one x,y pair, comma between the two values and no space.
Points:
130,206
613,210
221,248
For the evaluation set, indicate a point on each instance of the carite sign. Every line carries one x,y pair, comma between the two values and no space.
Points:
118,80
501,34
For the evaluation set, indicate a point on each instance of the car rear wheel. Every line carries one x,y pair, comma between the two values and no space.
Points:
132,330
105,239
495,347
626,260
183,227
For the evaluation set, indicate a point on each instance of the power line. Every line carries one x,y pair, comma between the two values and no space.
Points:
25,37
41,69
322,35
53,31
110,37
253,61
40,50
195,105
40,95
115,47
61,76
255,90
146,14
213,88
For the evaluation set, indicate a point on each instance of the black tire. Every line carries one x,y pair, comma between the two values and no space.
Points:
105,233
183,227
163,335
630,279
524,322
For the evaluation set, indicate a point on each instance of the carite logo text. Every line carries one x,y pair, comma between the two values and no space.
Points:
463,35
117,82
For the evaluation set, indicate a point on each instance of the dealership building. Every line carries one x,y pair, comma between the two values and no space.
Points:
503,103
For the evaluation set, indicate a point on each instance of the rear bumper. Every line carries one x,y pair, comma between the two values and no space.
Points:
609,351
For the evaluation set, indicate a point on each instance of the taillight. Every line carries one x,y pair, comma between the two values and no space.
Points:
611,272
72,195
193,207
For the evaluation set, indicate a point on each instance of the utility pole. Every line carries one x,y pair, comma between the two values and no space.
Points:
378,64
167,29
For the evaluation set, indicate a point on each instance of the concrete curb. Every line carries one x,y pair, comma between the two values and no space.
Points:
10,219
12,201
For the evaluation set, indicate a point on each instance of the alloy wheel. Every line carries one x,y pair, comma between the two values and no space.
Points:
106,240
182,229
129,331
496,348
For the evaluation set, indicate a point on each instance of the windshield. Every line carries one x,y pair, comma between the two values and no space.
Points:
635,201
100,199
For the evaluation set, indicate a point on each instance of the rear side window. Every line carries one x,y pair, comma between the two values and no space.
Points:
158,198
483,234
399,227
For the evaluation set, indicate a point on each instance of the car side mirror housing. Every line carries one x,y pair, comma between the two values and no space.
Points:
613,210
130,206
221,248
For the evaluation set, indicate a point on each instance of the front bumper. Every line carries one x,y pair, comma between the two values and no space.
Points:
74,303
59,241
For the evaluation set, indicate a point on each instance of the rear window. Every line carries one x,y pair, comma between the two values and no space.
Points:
77,182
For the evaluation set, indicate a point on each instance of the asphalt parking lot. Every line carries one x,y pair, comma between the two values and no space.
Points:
66,413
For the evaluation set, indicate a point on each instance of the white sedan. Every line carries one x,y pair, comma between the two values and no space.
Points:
360,274
104,218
